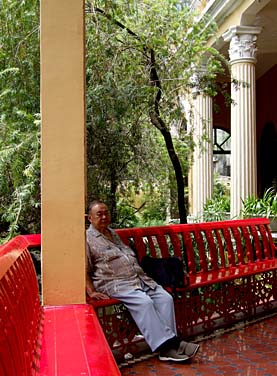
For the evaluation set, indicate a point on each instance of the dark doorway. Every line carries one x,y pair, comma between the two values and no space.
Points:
268,149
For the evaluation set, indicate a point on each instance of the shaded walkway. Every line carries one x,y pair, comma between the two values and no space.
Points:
249,351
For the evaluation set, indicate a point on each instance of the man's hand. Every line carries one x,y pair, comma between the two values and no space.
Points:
98,296
95,294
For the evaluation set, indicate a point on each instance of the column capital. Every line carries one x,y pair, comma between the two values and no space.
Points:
242,43
197,74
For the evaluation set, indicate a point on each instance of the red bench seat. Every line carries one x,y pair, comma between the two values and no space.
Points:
73,343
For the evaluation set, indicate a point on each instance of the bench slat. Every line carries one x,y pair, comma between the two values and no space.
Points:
236,231
189,253
177,246
265,241
221,252
256,240
214,257
248,243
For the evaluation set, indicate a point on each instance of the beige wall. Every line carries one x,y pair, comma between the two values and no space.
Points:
234,18
63,151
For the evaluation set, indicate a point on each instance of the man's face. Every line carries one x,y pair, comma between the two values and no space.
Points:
99,216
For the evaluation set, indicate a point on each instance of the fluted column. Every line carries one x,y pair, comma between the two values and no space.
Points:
242,54
202,168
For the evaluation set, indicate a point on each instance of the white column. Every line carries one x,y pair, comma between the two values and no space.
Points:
242,54
202,168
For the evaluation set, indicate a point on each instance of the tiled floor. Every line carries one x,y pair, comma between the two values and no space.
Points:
251,351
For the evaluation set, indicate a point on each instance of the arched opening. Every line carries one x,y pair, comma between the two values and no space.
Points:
221,152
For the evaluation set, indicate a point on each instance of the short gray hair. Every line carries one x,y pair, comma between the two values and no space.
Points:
94,203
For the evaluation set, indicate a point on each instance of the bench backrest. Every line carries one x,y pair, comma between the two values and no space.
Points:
205,246
20,309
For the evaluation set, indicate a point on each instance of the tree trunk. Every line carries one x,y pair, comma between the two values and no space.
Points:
112,198
158,122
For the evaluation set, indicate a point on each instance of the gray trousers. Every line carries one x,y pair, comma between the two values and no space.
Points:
153,312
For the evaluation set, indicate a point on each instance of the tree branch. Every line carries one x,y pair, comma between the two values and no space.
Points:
91,9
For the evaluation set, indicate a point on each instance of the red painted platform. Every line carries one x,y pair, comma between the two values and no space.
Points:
74,337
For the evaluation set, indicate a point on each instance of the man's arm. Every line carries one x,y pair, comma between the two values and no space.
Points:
90,288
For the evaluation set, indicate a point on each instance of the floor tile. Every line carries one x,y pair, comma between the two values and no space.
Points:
249,351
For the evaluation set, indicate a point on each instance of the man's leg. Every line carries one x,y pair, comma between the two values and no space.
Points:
154,327
164,306
153,312
167,314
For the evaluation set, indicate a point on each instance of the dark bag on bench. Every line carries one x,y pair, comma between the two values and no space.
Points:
167,272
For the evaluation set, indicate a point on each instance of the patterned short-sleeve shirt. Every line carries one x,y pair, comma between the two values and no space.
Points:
112,265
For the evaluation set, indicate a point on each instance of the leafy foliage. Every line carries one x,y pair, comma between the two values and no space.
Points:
19,119
266,206
217,208
141,56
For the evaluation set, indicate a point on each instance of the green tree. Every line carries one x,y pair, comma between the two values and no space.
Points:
149,52
19,117
139,59
122,150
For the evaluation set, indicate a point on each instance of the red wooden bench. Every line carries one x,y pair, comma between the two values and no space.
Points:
35,340
231,267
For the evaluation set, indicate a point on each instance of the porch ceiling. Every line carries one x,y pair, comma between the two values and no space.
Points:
260,13
267,40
